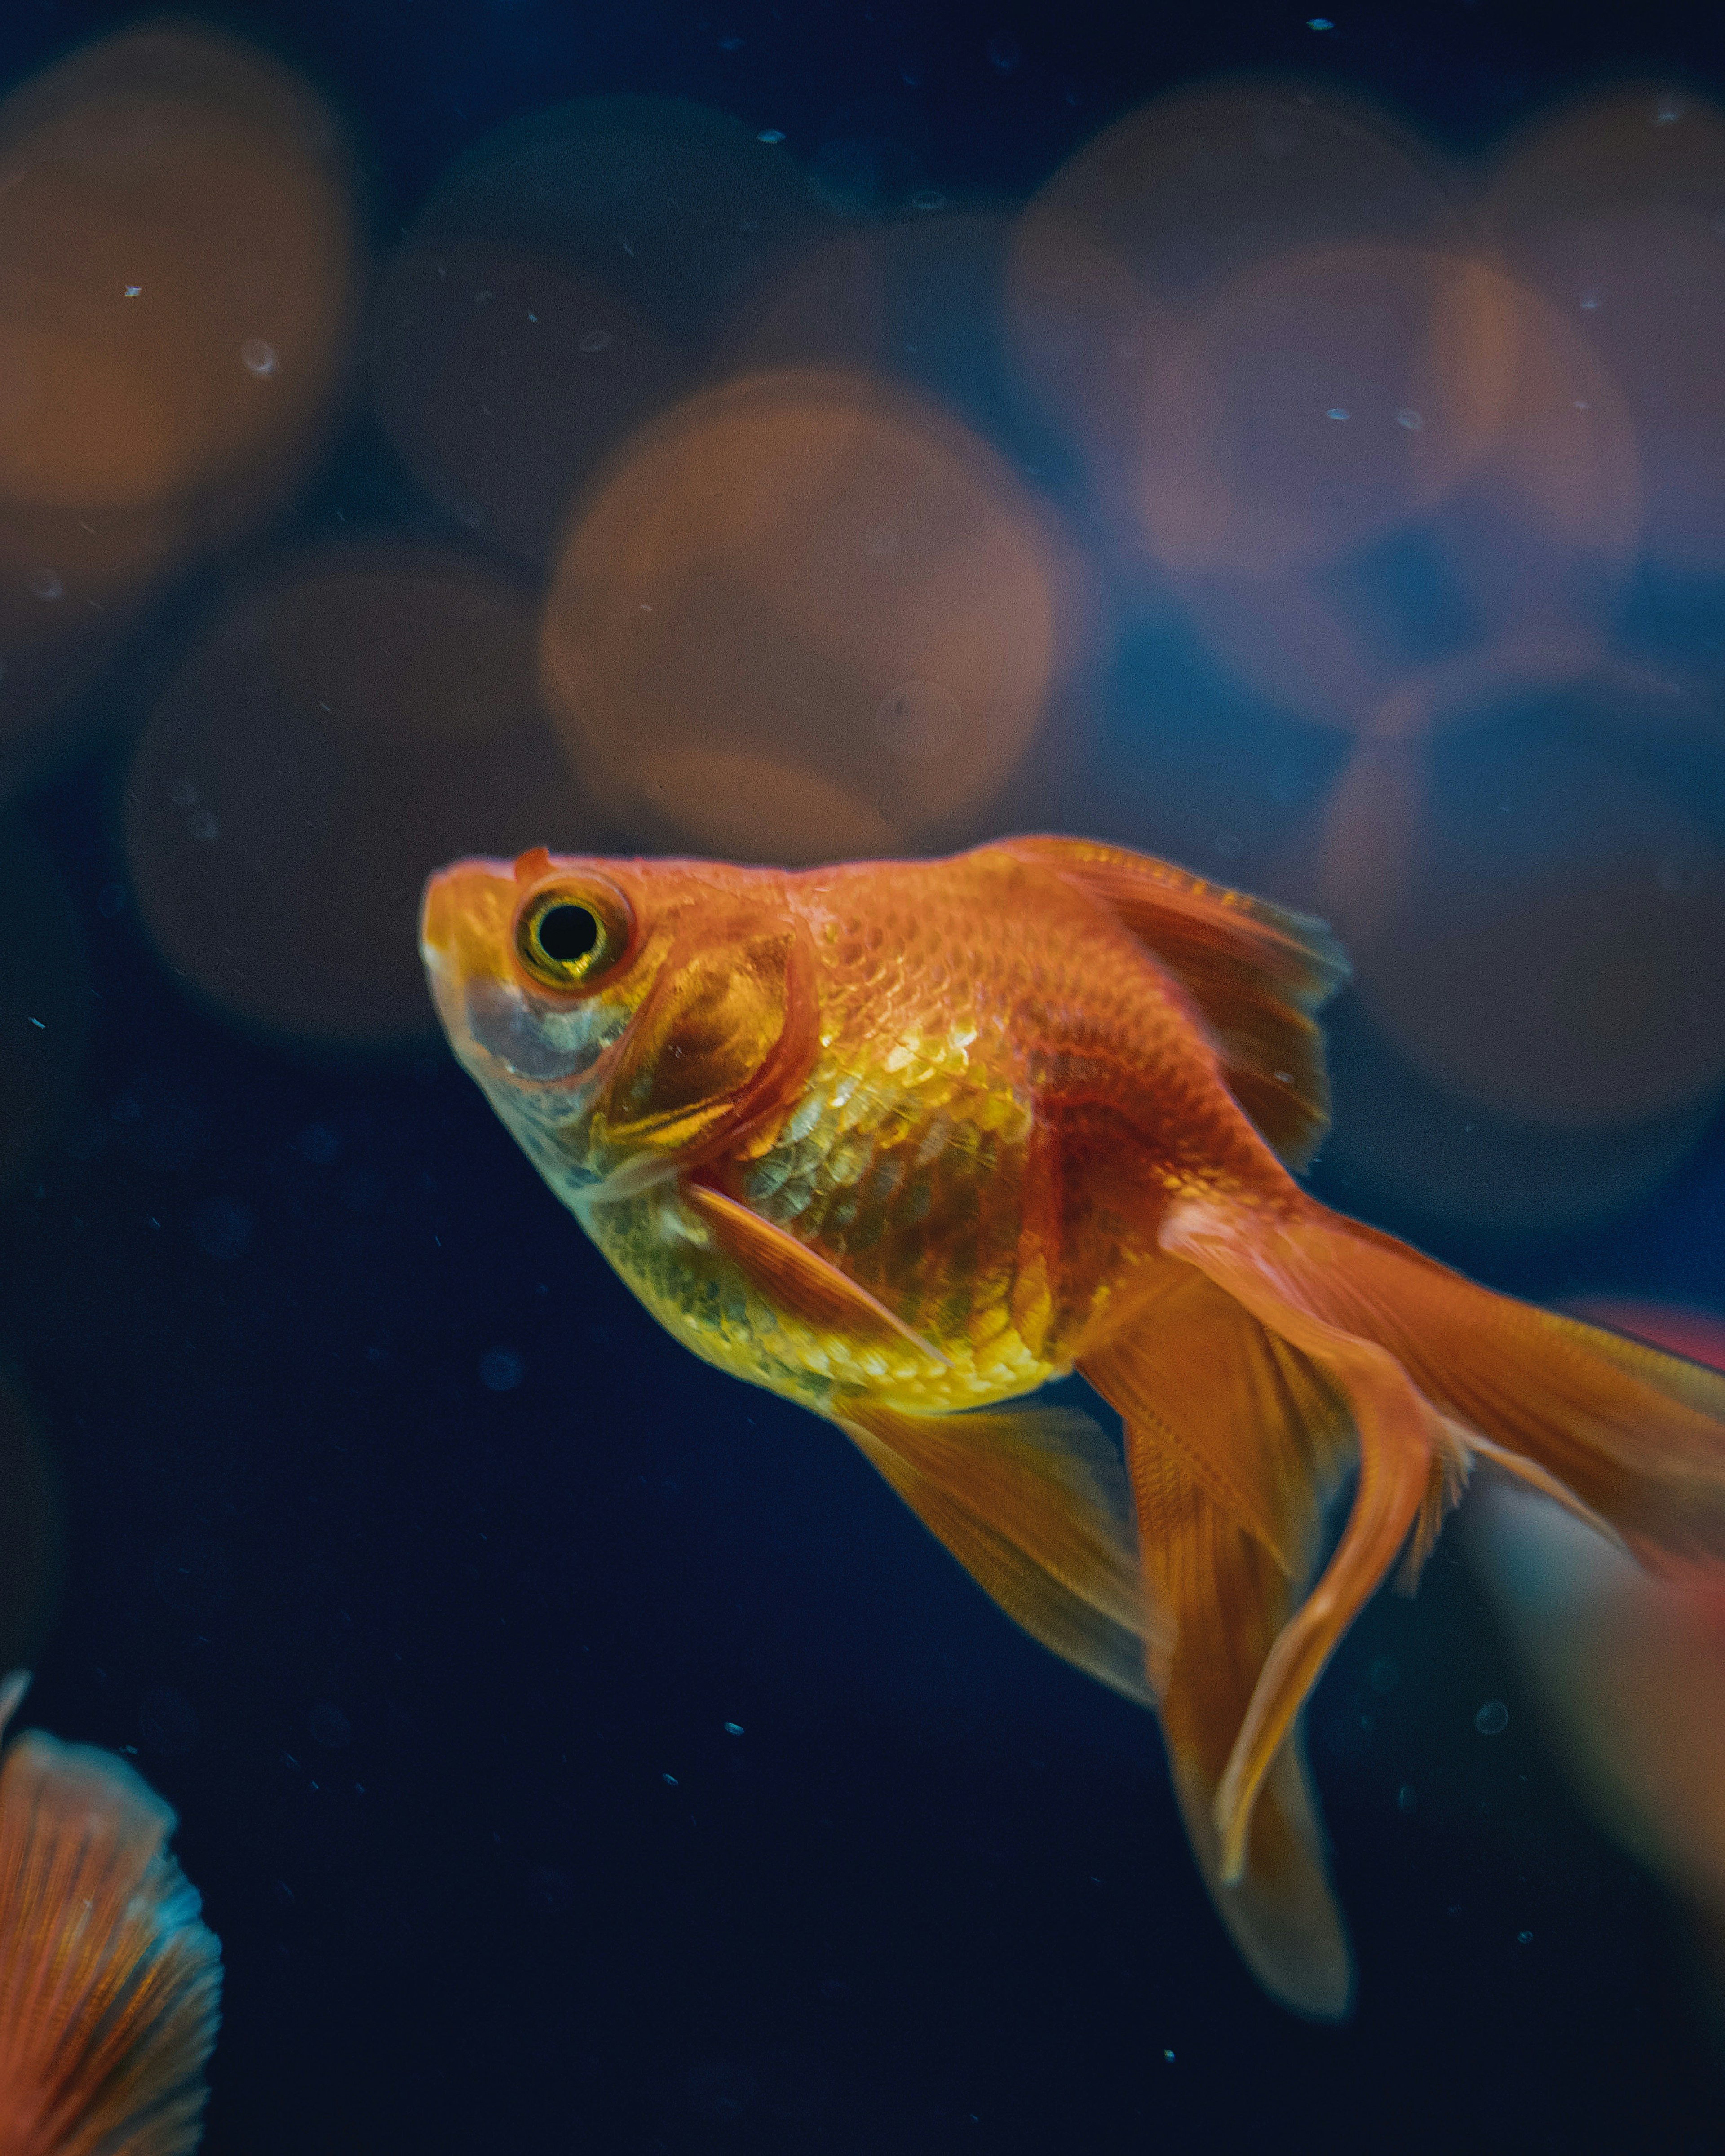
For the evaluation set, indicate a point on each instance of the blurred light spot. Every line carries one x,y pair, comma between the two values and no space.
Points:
1537,961
1492,1719
1595,203
363,717
724,646
1123,252
257,357
501,1370
207,186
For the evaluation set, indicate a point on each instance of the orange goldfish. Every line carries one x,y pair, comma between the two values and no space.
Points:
902,1140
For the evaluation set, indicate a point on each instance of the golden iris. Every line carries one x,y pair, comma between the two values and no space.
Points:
563,937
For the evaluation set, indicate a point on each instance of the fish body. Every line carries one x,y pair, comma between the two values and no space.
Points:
903,1141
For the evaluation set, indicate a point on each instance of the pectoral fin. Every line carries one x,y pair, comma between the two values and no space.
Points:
1035,1506
794,1278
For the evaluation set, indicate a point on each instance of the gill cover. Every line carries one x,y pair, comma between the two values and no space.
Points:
727,1028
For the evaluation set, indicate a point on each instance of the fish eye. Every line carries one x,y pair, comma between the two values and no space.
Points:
563,937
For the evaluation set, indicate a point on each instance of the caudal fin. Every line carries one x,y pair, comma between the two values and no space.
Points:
1435,1369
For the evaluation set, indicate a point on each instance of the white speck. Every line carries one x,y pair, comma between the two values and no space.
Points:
596,341
132,291
45,584
771,135
258,357
1411,419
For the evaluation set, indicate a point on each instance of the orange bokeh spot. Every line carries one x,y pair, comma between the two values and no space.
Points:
364,718
1611,211
802,615
176,272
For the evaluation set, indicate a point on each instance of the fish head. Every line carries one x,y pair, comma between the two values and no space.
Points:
627,1019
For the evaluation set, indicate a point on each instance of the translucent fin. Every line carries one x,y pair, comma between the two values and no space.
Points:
1226,1598
1399,1434
1256,972
1637,1436
795,1278
1250,1417
110,1983
1035,1506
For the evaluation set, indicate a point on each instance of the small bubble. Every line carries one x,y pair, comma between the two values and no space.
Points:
329,1725
1404,1798
730,44
1668,109
319,1144
1005,51
928,198
182,793
1411,419
202,825
1335,412
833,1987
1319,23
595,341
771,135
1229,845
45,584
1168,2056
221,1228
733,1729
133,291
257,357
1524,1938
1492,1719
668,1780
501,1370
1589,300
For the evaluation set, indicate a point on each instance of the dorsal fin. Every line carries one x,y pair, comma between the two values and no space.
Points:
1256,972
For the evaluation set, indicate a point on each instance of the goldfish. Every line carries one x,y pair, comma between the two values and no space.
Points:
109,1981
904,1141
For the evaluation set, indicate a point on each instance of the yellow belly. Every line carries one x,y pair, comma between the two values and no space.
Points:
660,1246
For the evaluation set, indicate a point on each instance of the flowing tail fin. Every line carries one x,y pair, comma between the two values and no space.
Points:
1435,1369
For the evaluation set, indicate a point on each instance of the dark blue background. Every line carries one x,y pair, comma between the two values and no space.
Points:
934,1895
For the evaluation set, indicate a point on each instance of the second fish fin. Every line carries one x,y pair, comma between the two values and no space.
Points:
1033,1504
1226,1599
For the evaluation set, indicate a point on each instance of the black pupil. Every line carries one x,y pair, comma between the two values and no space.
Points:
567,933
